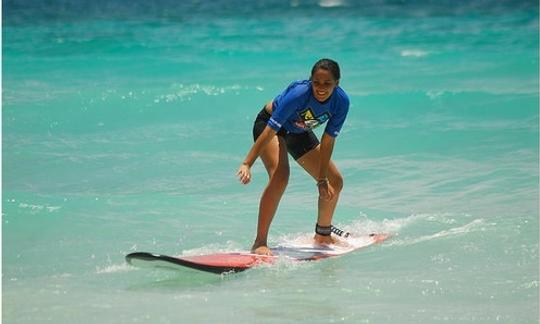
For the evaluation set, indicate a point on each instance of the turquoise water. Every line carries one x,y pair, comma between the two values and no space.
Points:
123,127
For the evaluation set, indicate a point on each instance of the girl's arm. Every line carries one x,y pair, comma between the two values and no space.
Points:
244,172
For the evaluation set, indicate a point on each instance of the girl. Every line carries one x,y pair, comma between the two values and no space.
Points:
285,125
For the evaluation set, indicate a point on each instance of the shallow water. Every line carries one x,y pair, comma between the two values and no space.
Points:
123,128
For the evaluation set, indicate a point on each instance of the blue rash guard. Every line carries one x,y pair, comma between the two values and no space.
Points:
296,110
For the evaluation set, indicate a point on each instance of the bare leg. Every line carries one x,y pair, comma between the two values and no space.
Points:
310,163
276,162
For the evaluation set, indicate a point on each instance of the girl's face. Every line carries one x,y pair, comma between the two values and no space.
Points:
323,84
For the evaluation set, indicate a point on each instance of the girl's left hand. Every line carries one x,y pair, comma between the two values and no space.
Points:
244,174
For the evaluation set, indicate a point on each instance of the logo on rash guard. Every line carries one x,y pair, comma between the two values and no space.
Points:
308,120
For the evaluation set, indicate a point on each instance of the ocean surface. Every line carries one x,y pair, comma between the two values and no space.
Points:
124,122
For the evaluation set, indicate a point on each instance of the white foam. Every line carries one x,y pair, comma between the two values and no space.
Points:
413,53
331,3
35,207
114,268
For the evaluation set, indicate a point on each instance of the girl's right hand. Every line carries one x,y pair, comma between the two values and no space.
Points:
244,174
326,192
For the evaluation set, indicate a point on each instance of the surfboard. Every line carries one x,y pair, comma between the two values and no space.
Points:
239,261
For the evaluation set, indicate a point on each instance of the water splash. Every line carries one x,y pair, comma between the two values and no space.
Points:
475,225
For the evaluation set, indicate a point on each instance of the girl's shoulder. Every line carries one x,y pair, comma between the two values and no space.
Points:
296,90
299,86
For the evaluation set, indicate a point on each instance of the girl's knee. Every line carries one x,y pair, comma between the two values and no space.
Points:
337,182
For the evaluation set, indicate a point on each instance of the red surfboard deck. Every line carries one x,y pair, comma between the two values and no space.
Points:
240,261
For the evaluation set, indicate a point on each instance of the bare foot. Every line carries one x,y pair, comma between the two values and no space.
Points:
324,240
261,250
328,240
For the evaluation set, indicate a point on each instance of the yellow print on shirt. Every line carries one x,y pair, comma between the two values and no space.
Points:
309,121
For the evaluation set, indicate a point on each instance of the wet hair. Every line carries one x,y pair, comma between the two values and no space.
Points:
329,65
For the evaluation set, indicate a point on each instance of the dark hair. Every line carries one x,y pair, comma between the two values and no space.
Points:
329,65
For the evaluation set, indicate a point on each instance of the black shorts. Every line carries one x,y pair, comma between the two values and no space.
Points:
297,144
